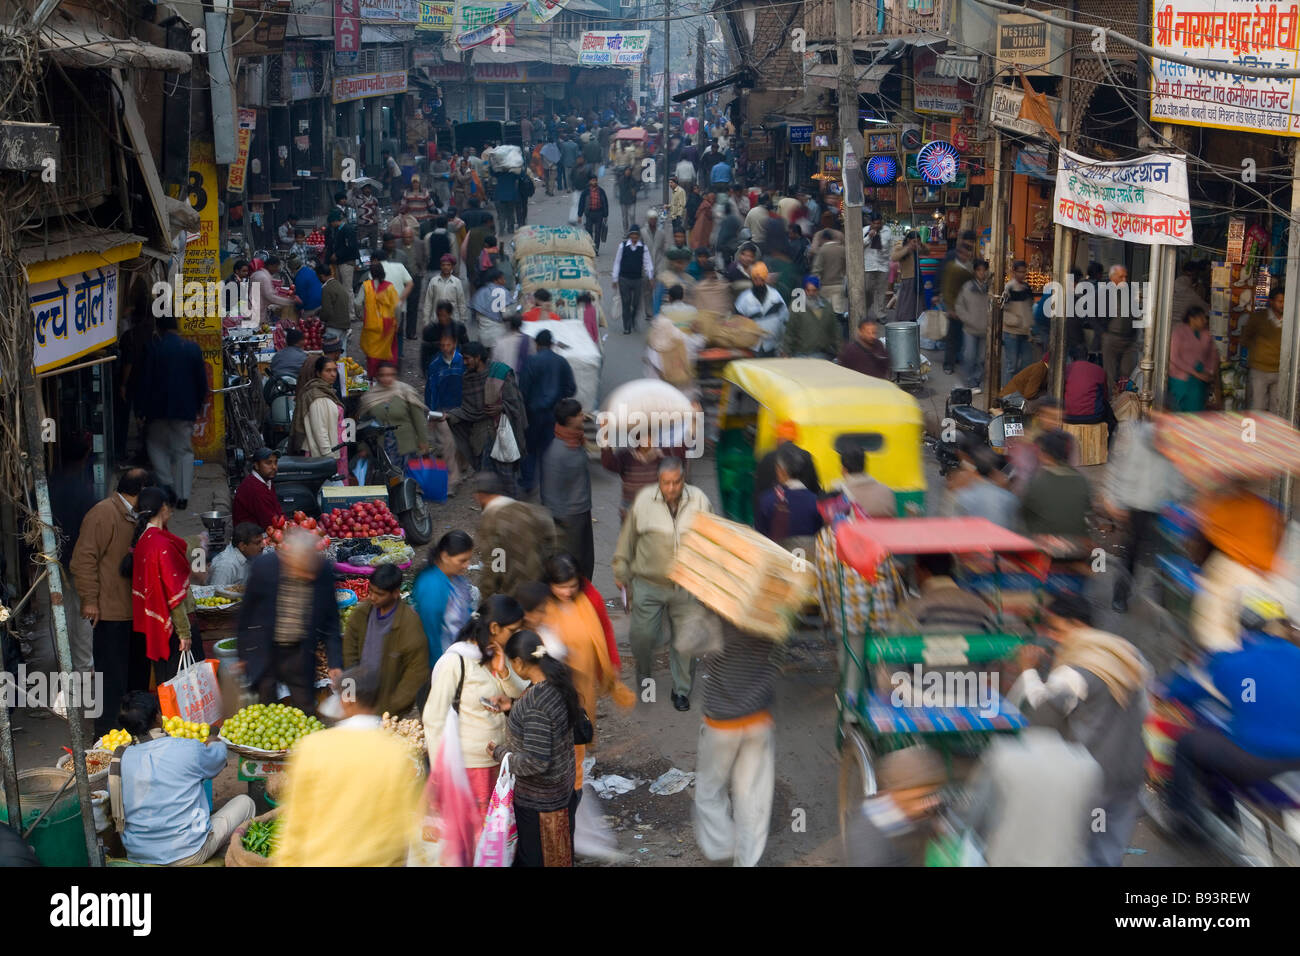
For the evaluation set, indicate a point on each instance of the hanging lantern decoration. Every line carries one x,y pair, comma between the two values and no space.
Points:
882,170
937,163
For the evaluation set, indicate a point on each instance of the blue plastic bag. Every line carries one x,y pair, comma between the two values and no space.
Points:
430,474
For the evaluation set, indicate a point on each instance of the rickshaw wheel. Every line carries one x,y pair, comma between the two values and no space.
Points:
857,777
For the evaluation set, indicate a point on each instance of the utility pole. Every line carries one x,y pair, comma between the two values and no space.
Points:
1287,383
668,108
855,269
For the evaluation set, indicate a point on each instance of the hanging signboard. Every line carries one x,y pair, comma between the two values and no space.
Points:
1004,112
1028,43
477,23
800,135
1227,32
390,11
202,263
348,88
436,17
943,95
613,48
73,316
544,11
1141,200
243,136
347,31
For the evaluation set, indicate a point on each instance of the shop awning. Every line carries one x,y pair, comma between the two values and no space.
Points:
62,251
827,76
806,104
86,47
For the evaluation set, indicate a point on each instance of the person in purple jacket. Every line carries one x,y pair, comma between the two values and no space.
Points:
789,509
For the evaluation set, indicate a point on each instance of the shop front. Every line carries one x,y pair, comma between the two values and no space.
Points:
369,107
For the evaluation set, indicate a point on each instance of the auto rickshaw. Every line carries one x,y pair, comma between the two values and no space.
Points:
827,406
870,719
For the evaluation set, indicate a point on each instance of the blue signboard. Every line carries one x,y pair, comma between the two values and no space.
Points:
800,135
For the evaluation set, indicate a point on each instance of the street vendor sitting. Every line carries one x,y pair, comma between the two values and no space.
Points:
230,567
384,634
255,501
288,361
156,791
942,605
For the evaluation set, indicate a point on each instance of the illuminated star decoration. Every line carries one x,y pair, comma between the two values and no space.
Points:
882,170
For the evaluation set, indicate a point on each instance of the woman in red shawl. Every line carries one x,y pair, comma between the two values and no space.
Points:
159,567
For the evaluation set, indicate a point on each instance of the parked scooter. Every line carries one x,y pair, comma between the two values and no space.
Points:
963,418
281,397
299,481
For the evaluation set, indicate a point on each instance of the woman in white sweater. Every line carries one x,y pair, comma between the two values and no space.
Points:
318,416
474,670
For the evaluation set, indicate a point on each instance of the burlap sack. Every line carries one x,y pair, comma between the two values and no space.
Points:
236,855
552,241
558,272
737,332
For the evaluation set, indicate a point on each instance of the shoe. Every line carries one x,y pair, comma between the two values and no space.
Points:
947,370
681,701
182,503
976,390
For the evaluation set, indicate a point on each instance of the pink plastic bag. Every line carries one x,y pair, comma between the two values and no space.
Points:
451,815
496,845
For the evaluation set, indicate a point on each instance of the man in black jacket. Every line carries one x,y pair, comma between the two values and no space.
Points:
593,210
289,609
173,391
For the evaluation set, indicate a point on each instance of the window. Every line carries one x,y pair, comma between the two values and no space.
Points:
869,442
494,102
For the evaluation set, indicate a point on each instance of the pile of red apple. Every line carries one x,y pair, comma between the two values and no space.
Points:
313,334
365,519
281,526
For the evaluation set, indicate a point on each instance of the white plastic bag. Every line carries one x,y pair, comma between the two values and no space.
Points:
500,836
193,694
573,209
505,449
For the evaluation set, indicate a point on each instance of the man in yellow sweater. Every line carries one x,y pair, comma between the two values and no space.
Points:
1262,338
352,792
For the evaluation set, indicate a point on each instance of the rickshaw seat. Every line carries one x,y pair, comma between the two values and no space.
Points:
884,718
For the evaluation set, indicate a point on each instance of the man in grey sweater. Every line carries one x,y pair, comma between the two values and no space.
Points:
566,486
735,770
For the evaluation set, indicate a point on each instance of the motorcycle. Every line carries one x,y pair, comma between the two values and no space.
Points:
299,481
963,418
281,396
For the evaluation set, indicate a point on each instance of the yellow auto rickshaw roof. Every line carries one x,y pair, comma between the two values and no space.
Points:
815,391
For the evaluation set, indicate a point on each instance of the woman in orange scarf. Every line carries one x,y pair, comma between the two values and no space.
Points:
379,324
702,232
158,565
578,619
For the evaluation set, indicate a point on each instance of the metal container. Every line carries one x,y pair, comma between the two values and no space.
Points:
903,341
215,524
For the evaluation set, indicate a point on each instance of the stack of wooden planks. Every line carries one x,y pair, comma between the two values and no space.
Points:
746,578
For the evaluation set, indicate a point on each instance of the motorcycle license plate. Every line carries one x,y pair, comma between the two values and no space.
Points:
1014,429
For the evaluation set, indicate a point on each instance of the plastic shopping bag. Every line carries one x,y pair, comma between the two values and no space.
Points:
193,694
573,209
451,813
505,449
496,845
430,474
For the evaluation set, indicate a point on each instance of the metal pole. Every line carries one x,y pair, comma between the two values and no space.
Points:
997,268
854,264
1163,330
1288,406
1152,331
62,648
1063,262
668,108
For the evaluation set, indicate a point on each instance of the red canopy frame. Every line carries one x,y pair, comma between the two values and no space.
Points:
863,545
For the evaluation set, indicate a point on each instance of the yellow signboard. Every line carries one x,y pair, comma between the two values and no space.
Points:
436,16
203,264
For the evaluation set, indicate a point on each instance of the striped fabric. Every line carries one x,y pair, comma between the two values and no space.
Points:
885,718
541,747
1211,449
292,610
740,679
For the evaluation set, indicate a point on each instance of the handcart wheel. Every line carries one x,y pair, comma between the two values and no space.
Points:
857,778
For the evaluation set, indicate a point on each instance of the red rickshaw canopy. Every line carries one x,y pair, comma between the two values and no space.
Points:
863,545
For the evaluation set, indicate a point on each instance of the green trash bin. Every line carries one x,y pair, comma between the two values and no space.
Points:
59,839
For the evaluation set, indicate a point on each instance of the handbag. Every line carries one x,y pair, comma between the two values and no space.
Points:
583,732
505,449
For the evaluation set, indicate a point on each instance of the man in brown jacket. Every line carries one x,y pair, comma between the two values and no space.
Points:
384,634
514,537
105,594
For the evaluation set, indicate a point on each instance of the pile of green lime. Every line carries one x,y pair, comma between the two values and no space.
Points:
269,726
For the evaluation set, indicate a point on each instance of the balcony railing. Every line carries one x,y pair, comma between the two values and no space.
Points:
901,17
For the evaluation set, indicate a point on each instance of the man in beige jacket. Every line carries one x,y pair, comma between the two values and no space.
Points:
647,547
105,594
